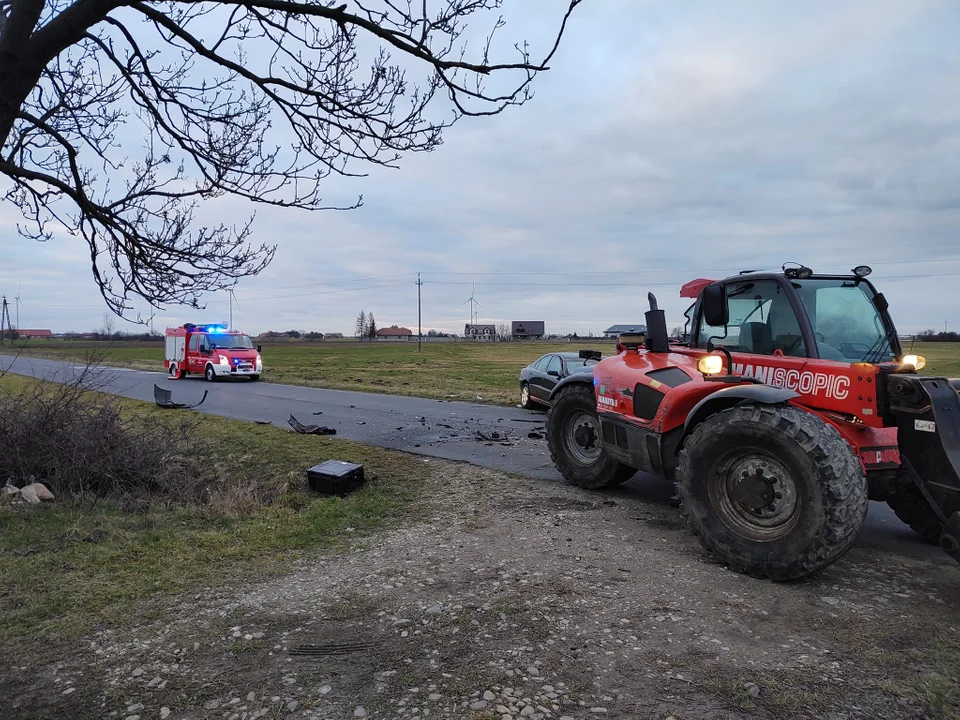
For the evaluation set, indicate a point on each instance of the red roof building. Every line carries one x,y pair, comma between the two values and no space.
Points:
394,333
24,333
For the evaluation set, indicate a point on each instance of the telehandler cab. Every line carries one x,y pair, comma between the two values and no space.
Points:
789,405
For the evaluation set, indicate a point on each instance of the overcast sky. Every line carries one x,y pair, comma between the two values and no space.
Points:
669,141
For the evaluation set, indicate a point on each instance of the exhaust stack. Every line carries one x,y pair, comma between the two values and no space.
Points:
657,340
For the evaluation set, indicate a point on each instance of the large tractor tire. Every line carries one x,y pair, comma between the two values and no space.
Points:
913,509
576,448
772,491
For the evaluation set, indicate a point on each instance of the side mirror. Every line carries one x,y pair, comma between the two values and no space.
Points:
714,301
259,348
553,373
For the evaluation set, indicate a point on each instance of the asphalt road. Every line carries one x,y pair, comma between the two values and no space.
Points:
489,436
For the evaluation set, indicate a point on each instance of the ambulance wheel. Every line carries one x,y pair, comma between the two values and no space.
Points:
209,374
771,491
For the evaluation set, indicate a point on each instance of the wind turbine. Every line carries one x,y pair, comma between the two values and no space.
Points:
472,300
17,303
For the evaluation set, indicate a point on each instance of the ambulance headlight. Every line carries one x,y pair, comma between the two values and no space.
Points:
224,360
710,364
917,362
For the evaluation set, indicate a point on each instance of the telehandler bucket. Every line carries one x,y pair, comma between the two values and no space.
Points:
927,413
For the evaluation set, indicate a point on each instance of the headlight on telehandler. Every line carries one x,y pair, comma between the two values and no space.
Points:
710,365
916,362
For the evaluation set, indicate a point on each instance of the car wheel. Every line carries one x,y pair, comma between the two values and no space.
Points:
209,374
525,399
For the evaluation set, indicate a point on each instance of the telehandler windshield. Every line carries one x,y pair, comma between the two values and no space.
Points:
847,324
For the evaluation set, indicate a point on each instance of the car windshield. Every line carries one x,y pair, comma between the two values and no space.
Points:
231,342
846,323
576,363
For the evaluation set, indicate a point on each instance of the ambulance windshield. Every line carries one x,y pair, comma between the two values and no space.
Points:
230,342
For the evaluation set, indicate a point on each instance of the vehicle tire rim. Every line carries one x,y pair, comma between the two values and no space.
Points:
524,395
210,373
755,496
583,438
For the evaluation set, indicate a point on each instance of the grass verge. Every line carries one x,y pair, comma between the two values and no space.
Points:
65,569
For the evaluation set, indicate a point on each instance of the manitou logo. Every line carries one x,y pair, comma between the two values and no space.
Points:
607,401
805,382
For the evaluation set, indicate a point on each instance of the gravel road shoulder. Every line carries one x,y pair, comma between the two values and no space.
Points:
517,598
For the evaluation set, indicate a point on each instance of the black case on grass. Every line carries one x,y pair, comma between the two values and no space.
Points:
335,477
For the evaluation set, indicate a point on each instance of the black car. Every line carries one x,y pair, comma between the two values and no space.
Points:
538,378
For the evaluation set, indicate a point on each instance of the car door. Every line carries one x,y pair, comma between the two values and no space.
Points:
552,375
194,361
538,378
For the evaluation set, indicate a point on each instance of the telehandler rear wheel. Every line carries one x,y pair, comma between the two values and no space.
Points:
772,491
573,436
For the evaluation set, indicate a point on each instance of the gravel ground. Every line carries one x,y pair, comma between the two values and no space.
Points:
517,598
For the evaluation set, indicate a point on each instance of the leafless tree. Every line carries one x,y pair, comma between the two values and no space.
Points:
361,325
503,331
117,117
107,327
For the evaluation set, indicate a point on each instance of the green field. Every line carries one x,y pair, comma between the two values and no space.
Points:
441,370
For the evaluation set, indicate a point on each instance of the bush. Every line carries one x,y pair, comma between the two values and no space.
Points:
79,445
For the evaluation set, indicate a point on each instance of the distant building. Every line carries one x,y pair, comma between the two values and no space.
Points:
527,329
480,333
333,336
616,330
393,333
24,333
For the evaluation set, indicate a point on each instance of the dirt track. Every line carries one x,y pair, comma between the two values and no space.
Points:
525,598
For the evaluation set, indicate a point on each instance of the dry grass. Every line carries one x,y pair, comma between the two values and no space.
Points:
66,567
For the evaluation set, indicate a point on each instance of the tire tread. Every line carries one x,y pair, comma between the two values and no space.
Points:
842,483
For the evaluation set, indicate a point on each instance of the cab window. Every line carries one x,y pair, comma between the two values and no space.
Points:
194,343
555,364
762,321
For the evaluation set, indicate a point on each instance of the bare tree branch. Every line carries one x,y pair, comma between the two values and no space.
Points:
118,117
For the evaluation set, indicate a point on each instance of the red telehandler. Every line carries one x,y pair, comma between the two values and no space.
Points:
788,407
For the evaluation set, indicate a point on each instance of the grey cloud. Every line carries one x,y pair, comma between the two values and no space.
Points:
667,142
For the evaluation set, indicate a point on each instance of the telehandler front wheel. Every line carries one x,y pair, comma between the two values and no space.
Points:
772,491
573,436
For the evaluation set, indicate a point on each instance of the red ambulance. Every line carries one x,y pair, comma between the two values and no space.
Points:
211,351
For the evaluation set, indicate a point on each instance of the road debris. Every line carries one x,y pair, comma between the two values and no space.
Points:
162,397
310,429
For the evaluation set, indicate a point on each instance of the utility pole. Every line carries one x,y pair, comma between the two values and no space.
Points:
419,314
4,320
232,298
